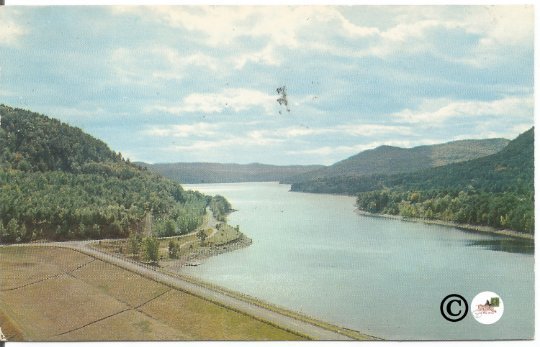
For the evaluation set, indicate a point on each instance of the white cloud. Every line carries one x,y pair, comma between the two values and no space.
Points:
351,129
266,56
373,129
81,111
410,37
183,130
10,30
291,132
440,110
317,27
489,130
222,25
345,151
267,138
4,92
503,25
279,26
143,64
237,142
232,99
497,27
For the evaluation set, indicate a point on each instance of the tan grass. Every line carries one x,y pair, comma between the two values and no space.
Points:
224,235
23,265
127,326
255,301
98,301
123,285
207,321
56,305
10,329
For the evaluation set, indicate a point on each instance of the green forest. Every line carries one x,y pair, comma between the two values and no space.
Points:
499,210
58,183
391,160
220,207
496,190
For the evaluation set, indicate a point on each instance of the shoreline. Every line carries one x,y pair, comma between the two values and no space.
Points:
204,253
252,307
468,227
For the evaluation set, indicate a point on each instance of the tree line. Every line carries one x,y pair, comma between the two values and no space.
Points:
495,190
499,210
220,207
58,183
62,206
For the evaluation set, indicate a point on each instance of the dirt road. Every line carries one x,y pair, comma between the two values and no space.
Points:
281,320
278,319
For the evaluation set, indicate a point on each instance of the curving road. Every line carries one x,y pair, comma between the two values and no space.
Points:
283,321
304,328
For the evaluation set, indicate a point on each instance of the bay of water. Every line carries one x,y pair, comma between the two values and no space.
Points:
314,254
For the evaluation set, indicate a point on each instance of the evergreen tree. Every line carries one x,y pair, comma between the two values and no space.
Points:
150,249
173,250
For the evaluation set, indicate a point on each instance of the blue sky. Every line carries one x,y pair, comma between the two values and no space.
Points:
171,84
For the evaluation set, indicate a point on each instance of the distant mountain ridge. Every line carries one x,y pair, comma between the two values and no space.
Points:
381,160
506,169
393,160
227,173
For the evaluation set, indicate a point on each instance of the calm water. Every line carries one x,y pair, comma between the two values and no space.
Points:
314,254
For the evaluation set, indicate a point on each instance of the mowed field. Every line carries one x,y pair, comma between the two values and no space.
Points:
57,294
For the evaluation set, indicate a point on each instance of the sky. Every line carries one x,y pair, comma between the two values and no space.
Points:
198,84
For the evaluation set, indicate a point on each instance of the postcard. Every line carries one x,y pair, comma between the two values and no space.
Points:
253,173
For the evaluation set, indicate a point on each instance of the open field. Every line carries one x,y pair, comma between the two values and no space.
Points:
11,331
54,294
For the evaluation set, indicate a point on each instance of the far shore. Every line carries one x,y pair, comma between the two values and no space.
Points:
468,227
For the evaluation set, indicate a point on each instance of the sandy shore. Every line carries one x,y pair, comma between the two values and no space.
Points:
468,227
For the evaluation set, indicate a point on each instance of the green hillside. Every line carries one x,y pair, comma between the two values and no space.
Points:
59,183
33,142
225,173
510,169
496,190
393,160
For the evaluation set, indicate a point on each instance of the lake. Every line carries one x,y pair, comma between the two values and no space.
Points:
314,254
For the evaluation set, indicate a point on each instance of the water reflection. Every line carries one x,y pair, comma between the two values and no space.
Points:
507,244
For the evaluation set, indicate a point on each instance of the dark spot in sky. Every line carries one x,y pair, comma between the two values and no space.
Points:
282,100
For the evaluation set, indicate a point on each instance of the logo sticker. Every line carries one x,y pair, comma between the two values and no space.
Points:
487,307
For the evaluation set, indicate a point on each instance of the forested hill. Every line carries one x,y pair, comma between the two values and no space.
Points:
392,160
496,190
384,159
510,169
33,142
59,183
224,173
